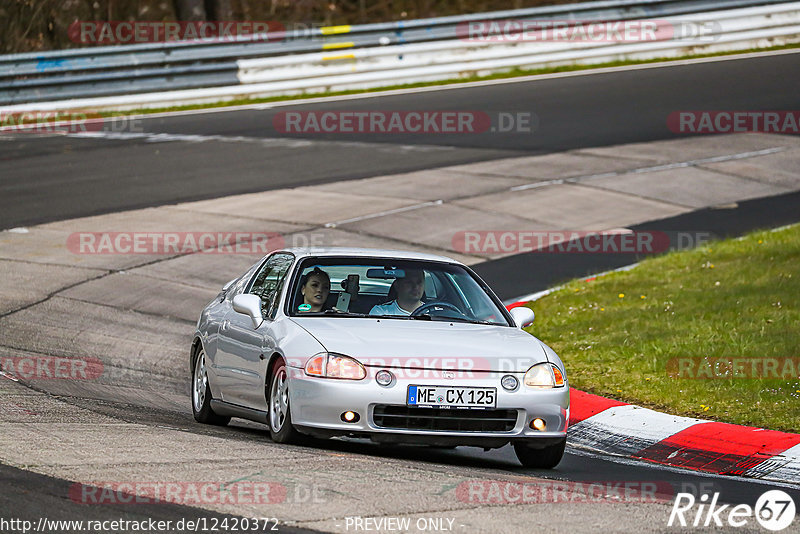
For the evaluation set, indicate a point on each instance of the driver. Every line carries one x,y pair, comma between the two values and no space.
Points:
315,287
409,294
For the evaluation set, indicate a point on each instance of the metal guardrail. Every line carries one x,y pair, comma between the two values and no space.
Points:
453,56
299,59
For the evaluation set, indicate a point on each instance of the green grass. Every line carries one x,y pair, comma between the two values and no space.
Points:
514,73
736,298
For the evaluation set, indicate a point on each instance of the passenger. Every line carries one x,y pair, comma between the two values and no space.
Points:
409,295
315,288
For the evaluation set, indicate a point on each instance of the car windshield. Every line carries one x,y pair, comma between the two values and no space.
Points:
394,289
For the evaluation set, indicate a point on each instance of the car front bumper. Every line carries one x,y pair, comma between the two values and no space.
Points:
317,406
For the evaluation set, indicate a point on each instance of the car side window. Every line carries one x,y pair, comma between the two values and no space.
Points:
269,281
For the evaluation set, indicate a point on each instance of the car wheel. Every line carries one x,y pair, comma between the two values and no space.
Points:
201,394
280,414
545,458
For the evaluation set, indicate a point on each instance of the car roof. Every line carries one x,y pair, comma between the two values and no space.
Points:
302,252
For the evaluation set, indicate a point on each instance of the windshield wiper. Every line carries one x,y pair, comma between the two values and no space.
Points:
341,313
478,321
465,320
440,318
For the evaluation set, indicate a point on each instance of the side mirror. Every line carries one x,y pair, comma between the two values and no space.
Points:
523,316
249,305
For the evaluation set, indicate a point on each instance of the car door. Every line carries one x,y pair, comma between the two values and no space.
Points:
211,322
243,351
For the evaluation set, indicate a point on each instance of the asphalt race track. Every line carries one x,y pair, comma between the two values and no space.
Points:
208,155
172,159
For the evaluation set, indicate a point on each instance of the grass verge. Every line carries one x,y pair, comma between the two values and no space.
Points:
668,334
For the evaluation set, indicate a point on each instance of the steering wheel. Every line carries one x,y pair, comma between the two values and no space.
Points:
438,304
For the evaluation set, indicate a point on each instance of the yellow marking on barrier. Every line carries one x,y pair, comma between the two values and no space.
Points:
334,46
333,30
340,56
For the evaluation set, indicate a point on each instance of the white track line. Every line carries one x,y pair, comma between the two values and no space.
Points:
384,213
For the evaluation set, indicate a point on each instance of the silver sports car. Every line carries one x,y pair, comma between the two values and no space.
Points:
397,347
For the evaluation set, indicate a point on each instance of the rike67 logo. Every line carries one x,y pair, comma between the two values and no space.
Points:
774,510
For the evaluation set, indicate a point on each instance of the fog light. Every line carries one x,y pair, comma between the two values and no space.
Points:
384,377
538,424
509,382
350,417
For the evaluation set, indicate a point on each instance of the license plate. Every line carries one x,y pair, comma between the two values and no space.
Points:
460,397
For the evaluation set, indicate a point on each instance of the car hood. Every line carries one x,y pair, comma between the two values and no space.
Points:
427,344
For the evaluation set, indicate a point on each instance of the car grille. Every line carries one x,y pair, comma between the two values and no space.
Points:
457,420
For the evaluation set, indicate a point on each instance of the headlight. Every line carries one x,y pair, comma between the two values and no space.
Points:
330,365
544,375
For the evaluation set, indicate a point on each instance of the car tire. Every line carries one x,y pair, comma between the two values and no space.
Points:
544,458
280,413
201,394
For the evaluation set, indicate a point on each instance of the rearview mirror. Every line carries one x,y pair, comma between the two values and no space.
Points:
523,316
249,305
386,273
